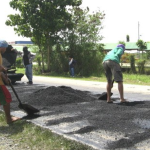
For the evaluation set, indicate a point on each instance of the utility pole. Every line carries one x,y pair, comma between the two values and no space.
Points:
138,31
138,51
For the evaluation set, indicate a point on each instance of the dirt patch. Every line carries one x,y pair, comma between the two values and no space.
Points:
126,125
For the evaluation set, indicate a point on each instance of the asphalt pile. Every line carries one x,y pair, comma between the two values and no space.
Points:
58,96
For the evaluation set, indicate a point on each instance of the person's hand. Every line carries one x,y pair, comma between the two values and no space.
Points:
5,70
2,69
9,81
5,78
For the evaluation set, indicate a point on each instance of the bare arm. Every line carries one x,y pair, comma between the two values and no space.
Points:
5,78
2,69
70,61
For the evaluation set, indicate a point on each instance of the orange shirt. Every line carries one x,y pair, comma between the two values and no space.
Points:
1,81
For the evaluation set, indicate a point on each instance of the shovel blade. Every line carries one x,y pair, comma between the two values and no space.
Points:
28,109
104,96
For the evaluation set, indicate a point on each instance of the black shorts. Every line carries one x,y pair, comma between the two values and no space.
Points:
112,69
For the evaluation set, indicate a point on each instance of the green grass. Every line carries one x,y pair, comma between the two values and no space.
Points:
137,79
20,70
127,78
25,135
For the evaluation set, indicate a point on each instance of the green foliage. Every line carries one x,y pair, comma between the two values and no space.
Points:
49,23
141,44
84,60
33,48
132,64
59,60
86,27
127,38
148,55
140,64
92,66
42,21
19,63
37,70
38,59
125,58
81,41
147,71
122,42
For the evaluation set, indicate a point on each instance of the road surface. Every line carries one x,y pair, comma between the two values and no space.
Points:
93,122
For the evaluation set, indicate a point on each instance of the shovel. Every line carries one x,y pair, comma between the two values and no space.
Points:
104,94
25,107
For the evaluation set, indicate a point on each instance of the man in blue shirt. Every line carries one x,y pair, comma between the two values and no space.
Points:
72,63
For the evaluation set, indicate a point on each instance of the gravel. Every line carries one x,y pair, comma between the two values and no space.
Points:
123,126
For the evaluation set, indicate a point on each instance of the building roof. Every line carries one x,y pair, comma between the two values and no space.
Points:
21,43
18,45
129,46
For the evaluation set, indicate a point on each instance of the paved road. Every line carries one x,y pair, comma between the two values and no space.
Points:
132,92
96,139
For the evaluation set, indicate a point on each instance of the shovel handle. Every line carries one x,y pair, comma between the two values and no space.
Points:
14,92
113,82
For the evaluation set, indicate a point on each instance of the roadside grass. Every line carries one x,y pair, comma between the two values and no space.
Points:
20,70
128,78
137,79
23,135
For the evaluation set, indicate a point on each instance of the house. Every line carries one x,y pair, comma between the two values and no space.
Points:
130,46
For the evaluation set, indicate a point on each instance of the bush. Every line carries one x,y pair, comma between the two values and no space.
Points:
38,59
19,63
37,70
140,64
147,72
125,58
132,64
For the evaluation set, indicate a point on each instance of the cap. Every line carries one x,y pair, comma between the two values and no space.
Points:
10,47
3,43
25,48
122,46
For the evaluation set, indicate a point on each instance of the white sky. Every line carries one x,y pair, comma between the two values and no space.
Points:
122,17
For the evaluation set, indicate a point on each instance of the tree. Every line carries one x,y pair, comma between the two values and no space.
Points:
87,26
42,20
127,38
122,42
132,63
142,45
83,38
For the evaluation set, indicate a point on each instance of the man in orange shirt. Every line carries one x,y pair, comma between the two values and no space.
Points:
5,96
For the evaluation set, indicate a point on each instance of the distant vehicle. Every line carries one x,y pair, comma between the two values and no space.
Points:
9,59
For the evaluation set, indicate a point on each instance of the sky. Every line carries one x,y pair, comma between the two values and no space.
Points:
121,19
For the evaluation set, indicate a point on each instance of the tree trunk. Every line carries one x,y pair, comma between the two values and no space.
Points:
48,58
43,63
